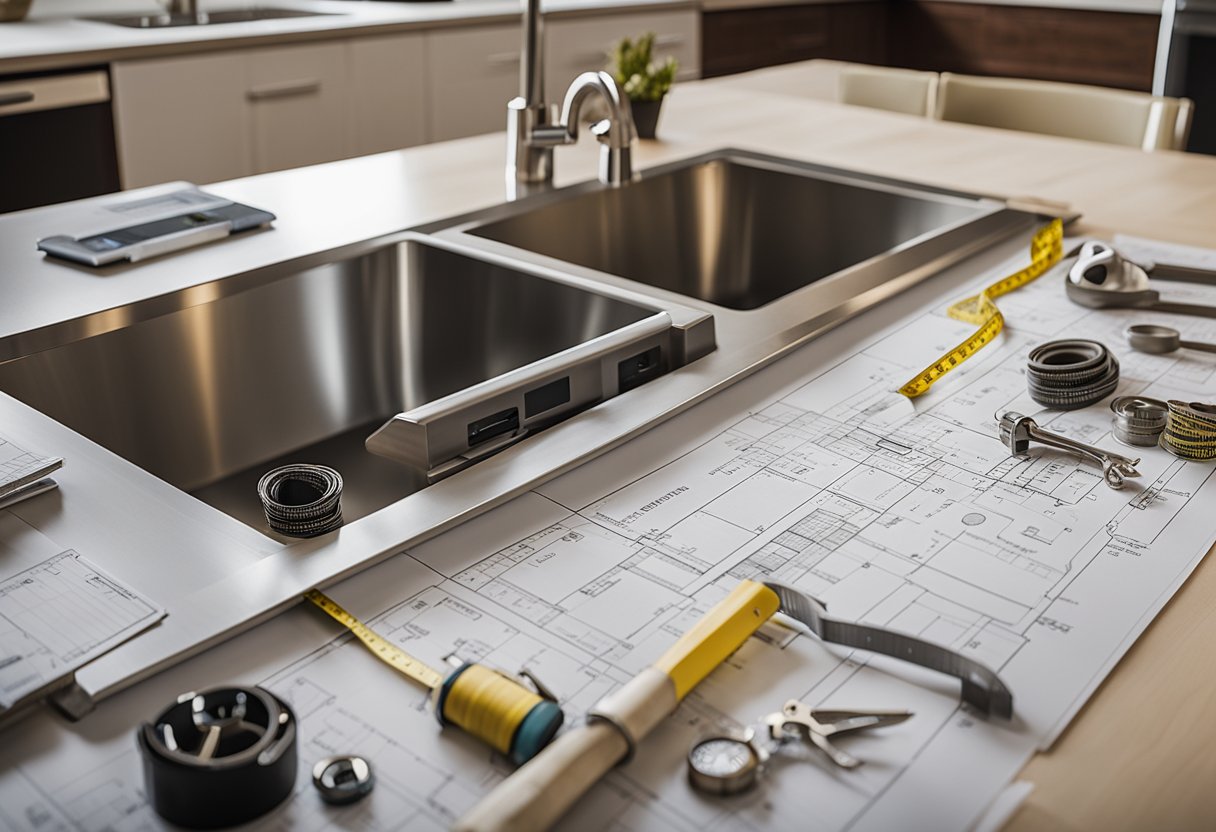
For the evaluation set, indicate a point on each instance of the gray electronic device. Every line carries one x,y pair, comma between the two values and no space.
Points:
180,220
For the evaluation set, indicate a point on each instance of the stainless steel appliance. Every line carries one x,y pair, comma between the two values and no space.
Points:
56,139
1186,64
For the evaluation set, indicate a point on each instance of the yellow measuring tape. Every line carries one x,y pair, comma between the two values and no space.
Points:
389,653
487,704
1046,249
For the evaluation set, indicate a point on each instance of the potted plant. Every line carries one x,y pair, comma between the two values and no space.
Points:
644,81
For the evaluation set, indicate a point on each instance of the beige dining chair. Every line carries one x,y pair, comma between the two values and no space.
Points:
1132,119
887,88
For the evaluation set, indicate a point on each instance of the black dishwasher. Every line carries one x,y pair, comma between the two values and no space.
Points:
56,138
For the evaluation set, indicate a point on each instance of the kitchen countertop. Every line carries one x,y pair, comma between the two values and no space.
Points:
1171,196
53,37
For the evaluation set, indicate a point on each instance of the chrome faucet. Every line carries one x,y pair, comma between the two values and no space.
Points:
532,132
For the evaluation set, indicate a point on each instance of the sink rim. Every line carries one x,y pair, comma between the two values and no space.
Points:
463,227
237,600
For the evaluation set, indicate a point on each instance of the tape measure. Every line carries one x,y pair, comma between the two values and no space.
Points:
1046,249
490,705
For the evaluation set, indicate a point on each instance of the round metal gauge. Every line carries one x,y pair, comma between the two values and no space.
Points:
723,765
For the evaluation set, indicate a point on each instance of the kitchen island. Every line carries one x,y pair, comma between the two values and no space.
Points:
1166,196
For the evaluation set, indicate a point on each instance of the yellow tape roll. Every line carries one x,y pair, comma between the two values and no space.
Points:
488,705
1046,249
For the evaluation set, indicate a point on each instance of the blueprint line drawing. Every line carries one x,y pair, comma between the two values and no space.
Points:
814,472
58,615
19,467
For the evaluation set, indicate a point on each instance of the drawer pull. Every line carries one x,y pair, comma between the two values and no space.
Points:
669,40
500,58
10,98
284,89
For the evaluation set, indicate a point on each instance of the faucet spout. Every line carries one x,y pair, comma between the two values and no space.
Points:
533,132
616,133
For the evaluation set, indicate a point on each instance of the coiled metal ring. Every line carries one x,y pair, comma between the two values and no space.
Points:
302,500
1071,373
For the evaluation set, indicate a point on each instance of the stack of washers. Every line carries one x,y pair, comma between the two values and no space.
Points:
1138,420
1190,430
302,500
1071,374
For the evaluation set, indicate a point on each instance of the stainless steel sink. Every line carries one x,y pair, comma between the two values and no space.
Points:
304,368
734,229
160,21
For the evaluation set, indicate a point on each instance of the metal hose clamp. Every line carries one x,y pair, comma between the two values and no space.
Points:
1070,374
302,500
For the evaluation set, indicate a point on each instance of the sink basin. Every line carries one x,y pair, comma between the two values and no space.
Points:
305,367
160,21
733,229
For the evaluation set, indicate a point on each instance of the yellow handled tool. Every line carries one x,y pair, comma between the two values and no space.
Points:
489,705
540,792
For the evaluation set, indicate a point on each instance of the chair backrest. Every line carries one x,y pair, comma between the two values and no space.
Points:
1122,117
886,88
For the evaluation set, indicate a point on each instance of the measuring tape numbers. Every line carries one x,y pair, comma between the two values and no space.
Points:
490,705
1046,249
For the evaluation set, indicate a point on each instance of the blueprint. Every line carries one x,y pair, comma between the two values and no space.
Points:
20,468
59,615
814,472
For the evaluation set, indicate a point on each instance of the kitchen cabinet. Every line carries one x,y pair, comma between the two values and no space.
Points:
388,97
297,99
737,40
223,115
1114,49
181,118
229,114
472,74
582,44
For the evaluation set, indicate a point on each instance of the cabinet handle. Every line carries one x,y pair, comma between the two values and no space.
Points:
499,58
284,89
669,40
9,98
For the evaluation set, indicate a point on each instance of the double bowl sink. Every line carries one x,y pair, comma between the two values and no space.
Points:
439,347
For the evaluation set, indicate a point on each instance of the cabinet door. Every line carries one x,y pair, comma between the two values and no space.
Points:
387,93
585,44
473,74
297,99
181,118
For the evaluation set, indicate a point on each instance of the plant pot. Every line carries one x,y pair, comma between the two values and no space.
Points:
646,117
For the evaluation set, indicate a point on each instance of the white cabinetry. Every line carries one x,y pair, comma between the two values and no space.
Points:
181,118
472,74
388,94
234,113
297,98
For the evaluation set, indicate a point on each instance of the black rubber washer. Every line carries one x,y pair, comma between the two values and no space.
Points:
251,770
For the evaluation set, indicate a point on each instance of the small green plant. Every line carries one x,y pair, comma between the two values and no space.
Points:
637,73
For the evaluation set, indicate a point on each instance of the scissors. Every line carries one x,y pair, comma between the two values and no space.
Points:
1101,278
816,725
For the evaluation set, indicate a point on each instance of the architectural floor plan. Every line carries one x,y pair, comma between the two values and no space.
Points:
907,514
